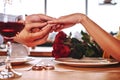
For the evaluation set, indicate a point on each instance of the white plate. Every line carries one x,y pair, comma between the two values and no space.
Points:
86,62
18,61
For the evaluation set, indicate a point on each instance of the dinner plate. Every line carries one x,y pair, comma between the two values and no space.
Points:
18,61
86,62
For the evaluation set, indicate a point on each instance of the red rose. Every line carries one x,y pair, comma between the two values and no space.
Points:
60,37
60,50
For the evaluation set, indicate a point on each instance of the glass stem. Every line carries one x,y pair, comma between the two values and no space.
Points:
9,50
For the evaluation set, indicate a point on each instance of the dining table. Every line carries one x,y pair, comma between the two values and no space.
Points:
65,72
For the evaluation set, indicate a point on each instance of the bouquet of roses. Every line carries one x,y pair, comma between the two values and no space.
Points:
66,46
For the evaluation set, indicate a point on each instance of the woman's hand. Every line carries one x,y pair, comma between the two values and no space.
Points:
66,21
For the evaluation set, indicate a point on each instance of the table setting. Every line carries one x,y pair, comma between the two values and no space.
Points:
60,71
59,65
71,59
37,67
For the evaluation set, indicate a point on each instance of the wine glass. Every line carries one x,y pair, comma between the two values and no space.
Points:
9,27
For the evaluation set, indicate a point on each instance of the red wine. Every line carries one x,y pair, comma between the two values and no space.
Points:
10,29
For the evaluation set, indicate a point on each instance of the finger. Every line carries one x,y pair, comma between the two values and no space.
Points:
44,31
59,29
63,26
57,26
58,21
42,40
37,41
45,17
52,28
38,18
31,26
17,39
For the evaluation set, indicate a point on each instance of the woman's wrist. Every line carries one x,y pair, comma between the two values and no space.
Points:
82,18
